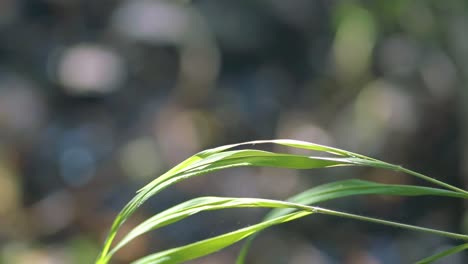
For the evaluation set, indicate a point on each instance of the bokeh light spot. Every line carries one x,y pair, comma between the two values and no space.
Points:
139,158
89,68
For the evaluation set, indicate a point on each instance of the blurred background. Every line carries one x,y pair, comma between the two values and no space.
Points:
99,97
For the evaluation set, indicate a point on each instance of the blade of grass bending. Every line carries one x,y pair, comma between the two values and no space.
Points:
354,187
136,201
340,189
321,193
377,163
219,158
385,165
149,190
197,205
211,245
361,159
217,162
447,252
286,142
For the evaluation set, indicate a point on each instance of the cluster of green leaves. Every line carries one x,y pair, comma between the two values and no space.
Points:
282,211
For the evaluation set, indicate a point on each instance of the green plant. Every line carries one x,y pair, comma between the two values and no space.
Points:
283,211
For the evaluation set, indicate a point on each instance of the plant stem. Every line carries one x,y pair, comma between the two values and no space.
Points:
390,223
432,180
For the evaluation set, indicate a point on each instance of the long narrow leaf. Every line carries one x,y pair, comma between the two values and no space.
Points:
354,187
346,188
447,252
208,246
315,195
195,206
221,158
195,166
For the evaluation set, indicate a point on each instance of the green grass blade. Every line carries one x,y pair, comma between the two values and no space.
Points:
320,193
202,163
354,187
221,158
315,147
131,206
346,188
444,253
195,206
208,246
289,143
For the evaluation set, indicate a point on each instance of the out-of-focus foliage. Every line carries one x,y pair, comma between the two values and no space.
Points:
99,97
